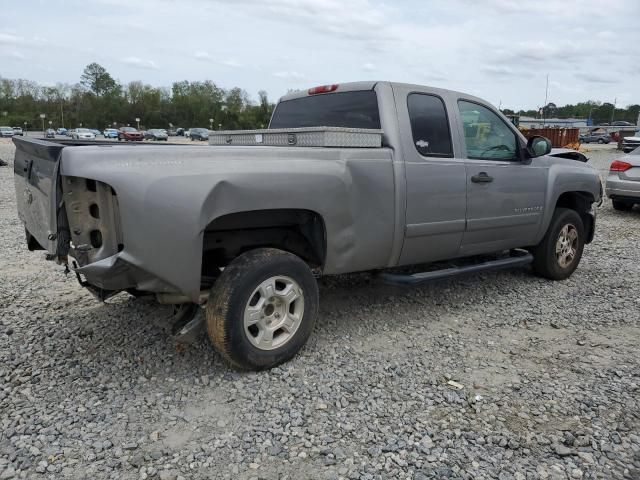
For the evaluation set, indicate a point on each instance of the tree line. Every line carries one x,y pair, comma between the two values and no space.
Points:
99,101
598,112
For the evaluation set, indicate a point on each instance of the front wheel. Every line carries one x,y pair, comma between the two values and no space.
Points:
262,308
600,141
558,254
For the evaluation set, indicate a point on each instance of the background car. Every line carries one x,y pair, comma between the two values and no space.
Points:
50,133
622,123
631,143
61,131
129,134
17,131
110,133
623,182
6,132
180,132
95,131
187,133
155,134
83,134
199,134
70,132
594,138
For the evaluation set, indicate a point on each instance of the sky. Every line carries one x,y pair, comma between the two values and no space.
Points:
500,50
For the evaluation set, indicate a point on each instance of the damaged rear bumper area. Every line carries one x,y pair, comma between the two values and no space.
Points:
109,276
100,261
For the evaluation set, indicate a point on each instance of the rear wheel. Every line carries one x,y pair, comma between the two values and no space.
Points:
262,308
558,254
622,205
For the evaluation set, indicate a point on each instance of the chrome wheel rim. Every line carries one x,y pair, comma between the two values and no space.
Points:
567,245
274,313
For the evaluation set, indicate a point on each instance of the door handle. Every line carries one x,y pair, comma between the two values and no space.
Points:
482,177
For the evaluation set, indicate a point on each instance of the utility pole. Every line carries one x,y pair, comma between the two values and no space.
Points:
61,113
546,96
613,110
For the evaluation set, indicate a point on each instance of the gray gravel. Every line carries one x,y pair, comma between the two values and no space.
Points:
549,376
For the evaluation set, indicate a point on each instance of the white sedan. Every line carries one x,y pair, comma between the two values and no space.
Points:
83,134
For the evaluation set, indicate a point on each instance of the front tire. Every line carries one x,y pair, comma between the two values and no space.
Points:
262,308
558,254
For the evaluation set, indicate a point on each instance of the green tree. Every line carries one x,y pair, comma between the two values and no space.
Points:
96,79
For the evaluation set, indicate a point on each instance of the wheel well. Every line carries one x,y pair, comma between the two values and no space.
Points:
581,203
301,232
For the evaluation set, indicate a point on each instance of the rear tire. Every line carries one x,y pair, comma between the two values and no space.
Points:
262,308
558,254
622,205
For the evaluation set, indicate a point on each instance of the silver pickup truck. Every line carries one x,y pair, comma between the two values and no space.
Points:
405,175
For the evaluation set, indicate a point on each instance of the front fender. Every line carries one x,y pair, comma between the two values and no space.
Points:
568,177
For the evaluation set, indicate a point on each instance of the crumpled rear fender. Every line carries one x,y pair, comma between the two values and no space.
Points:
168,195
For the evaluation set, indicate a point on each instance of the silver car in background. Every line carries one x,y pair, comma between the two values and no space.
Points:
623,182
6,132
83,134
631,143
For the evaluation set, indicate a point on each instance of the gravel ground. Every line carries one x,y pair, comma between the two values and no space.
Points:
549,377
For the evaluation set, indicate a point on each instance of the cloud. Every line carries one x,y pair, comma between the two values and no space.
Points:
200,55
140,63
9,39
362,21
369,67
596,78
606,35
500,70
289,75
14,54
231,63
207,57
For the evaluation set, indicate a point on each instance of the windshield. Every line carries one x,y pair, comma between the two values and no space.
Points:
83,130
348,109
128,129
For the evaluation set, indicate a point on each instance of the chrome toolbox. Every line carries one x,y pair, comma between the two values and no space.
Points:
300,137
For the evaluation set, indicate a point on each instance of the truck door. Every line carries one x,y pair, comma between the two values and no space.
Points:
435,177
505,191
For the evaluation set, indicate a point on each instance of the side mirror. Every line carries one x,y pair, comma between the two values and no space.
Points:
538,146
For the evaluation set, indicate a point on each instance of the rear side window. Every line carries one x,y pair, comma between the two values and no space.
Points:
348,109
429,125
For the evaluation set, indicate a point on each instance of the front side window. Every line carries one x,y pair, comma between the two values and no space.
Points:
429,125
485,134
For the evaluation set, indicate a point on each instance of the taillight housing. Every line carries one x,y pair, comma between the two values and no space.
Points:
322,89
619,166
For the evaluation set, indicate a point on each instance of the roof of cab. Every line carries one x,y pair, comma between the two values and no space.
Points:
370,85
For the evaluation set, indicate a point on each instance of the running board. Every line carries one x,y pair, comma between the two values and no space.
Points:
520,258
